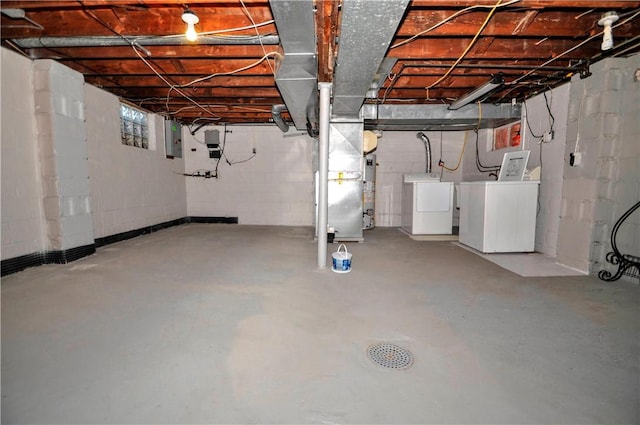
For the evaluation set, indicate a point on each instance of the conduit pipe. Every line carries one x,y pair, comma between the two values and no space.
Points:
108,41
323,173
276,114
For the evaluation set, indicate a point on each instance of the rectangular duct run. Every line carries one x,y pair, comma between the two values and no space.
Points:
438,117
297,70
365,35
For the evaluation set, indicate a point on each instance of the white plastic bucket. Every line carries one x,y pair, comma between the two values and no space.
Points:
341,260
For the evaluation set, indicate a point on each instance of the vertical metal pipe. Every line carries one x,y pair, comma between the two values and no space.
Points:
323,173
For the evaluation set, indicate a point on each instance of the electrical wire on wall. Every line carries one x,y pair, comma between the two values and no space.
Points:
214,173
441,162
479,166
541,137
544,137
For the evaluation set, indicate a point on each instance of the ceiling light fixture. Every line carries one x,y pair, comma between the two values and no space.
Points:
478,93
606,20
191,19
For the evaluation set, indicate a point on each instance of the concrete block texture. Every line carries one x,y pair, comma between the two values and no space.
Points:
21,192
578,189
129,187
611,102
612,124
591,105
614,80
43,102
608,176
574,243
275,187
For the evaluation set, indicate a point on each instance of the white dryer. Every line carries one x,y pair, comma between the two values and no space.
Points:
427,205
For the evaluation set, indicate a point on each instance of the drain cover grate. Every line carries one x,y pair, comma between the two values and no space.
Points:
390,355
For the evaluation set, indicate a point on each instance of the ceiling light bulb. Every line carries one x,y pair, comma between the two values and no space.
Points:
607,20
191,19
191,33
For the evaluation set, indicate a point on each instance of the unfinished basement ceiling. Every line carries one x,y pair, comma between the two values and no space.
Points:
442,49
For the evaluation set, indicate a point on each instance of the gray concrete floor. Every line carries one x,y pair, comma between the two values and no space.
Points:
233,324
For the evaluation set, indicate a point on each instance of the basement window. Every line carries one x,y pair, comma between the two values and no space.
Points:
134,127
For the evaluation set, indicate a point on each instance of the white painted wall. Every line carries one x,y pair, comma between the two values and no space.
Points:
604,127
131,187
22,219
553,159
62,143
401,152
276,187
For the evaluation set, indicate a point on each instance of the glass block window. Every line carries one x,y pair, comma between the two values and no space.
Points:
134,127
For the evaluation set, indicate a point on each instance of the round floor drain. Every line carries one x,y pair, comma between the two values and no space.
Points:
390,355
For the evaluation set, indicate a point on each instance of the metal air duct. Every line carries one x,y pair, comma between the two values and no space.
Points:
276,113
365,34
297,71
439,117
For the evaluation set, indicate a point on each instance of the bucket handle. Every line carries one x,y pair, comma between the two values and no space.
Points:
342,246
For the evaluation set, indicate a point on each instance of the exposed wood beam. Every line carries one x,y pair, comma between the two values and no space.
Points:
231,101
139,4
501,48
153,21
326,28
250,81
540,23
526,21
587,4
136,66
208,93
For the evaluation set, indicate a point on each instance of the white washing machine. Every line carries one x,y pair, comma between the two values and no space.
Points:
427,205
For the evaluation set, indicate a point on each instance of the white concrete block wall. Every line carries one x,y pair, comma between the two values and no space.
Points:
130,187
552,166
603,126
401,152
276,187
60,117
22,217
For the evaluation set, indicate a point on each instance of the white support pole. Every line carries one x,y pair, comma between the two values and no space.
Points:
323,174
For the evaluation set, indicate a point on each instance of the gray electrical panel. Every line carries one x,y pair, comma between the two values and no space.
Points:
173,138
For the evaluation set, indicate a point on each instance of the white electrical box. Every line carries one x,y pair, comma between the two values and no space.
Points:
498,216
173,138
